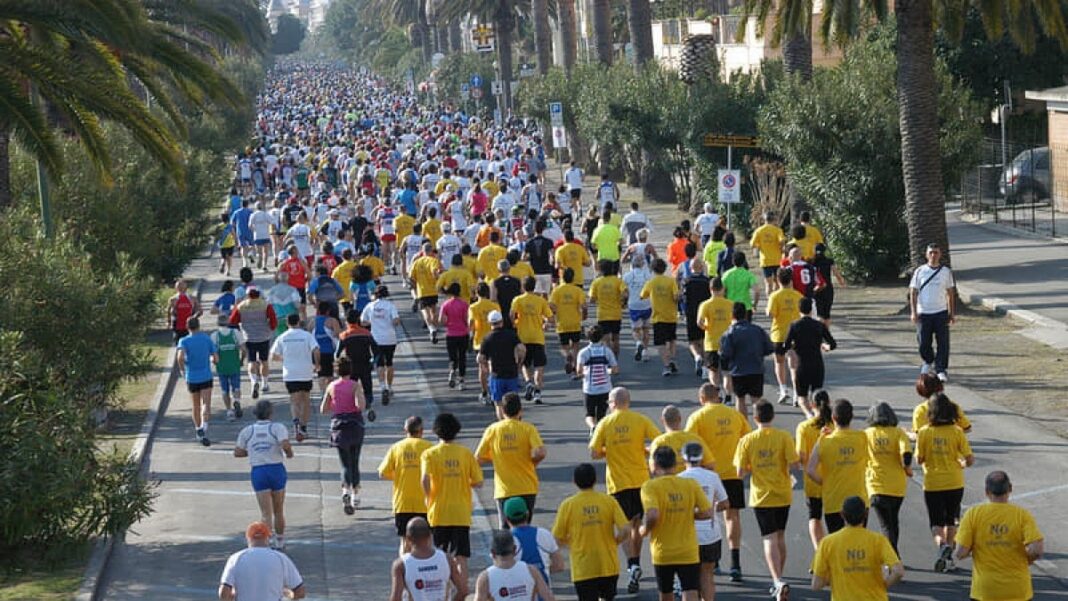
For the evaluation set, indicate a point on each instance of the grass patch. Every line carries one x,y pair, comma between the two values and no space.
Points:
125,422
52,578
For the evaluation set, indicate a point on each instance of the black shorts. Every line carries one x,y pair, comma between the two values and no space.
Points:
630,501
689,577
610,327
815,507
425,302
780,348
694,333
576,193
453,539
178,335
712,359
809,379
326,367
198,386
943,506
664,332
401,520
824,300
303,296
735,493
535,356
570,337
302,386
771,519
226,252
258,351
384,354
710,553
834,522
596,405
596,589
749,385
769,272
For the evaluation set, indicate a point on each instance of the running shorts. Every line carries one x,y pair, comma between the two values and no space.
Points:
637,315
543,282
815,507
689,577
270,477
570,338
735,493
258,351
453,539
943,506
780,348
771,519
664,332
710,553
230,382
401,520
749,385
299,386
384,354
198,386
426,302
610,327
498,387
712,359
770,271
535,356
596,405
596,589
630,501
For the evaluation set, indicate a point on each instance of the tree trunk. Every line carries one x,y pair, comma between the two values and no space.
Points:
565,10
917,101
602,30
455,37
427,37
640,22
797,59
542,35
5,169
441,39
505,25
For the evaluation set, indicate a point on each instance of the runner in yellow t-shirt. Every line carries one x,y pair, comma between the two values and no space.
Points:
714,317
530,312
489,257
607,291
806,435
856,562
343,274
620,439
515,449
424,276
1002,539
768,454
839,463
663,292
401,465
943,451
676,437
783,308
572,254
568,304
889,468
767,240
456,274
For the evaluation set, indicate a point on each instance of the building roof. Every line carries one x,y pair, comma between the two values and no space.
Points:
1048,95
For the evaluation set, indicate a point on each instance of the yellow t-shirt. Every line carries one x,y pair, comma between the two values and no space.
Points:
621,435
487,261
568,300
607,292
586,522
491,188
343,274
886,470
509,444
530,311
403,225
673,540
432,230
471,265
453,470
457,275
921,419
783,309
378,268
852,560
767,453
813,236
675,441
806,435
573,255
768,239
424,273
478,314
843,464
521,270
940,449
663,291
721,428
716,315
443,183
401,465
997,533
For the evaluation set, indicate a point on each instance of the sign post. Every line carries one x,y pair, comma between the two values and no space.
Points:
484,38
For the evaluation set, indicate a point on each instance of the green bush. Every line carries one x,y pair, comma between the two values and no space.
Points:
456,69
840,138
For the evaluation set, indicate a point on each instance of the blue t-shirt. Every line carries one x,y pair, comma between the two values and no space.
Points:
407,200
240,219
198,350
225,303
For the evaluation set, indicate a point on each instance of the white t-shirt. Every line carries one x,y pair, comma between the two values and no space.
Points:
635,280
260,222
504,201
510,584
260,574
263,441
471,234
448,246
427,579
707,530
932,299
296,347
705,223
380,313
597,377
573,176
301,236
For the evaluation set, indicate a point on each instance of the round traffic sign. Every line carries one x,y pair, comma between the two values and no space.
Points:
476,93
476,81
729,181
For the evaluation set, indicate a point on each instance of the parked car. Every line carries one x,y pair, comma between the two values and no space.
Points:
1027,178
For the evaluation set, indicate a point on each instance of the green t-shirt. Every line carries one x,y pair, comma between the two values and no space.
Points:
737,284
606,240
229,353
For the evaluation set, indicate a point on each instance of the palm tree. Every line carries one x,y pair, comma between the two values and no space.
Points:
792,30
640,23
504,16
602,30
565,10
540,12
90,61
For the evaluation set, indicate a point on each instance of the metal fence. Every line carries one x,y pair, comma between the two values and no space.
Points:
1022,184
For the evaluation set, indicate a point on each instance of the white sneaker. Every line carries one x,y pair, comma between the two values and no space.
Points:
925,368
942,376
230,415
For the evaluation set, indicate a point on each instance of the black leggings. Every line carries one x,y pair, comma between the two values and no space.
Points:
364,378
457,347
886,509
350,461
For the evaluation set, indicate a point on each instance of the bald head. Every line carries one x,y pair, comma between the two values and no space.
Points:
418,530
620,397
708,393
672,417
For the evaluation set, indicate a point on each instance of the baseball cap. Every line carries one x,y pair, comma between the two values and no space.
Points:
495,317
515,508
708,206
259,530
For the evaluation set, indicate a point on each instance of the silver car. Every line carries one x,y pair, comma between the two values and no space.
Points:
1027,178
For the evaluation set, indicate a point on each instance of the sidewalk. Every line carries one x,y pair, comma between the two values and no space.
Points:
1024,276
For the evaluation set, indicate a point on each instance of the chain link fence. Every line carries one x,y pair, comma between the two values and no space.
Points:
1019,183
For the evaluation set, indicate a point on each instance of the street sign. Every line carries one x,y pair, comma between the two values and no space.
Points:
465,88
476,93
729,186
731,140
526,70
484,38
495,88
476,81
556,113
559,136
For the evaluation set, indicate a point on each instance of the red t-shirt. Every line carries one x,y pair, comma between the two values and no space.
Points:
183,310
298,278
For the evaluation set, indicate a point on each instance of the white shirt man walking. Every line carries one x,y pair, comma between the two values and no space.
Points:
932,295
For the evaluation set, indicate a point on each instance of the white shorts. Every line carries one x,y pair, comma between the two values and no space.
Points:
543,282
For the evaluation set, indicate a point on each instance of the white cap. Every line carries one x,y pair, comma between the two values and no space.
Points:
495,317
708,206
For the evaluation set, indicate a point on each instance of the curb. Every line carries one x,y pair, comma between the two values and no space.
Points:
1012,231
1004,307
92,578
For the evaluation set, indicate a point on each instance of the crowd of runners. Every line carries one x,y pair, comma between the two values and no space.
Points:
359,202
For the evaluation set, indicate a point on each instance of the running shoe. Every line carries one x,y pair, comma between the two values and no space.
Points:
674,368
230,415
944,555
728,400
204,440
951,566
387,396
943,377
483,398
537,396
780,591
638,352
666,372
238,411
677,588
784,397
698,366
926,368
272,542
529,393
346,503
371,414
266,387
415,306
736,575
297,431
460,384
452,379
634,574
304,430
255,390
433,336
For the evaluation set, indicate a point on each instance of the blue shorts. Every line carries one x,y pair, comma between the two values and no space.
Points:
270,477
262,241
230,382
640,315
499,387
245,238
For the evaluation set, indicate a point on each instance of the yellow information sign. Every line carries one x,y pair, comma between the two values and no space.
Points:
731,140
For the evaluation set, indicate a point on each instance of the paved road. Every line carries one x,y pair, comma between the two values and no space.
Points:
205,498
